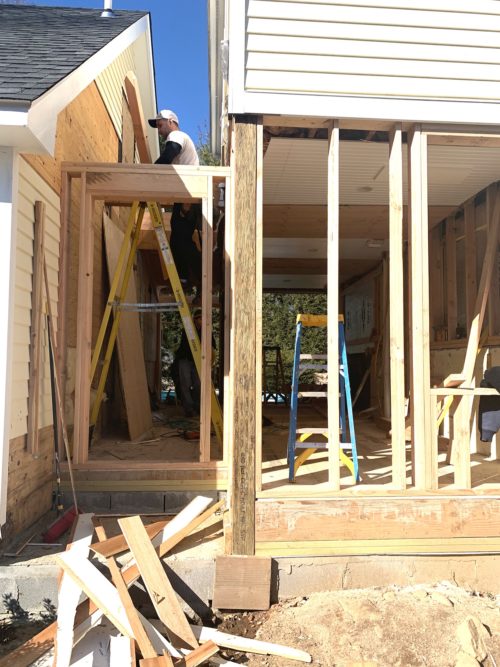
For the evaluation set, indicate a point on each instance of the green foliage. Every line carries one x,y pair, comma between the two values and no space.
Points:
279,315
205,154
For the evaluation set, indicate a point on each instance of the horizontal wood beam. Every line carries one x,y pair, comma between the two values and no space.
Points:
356,221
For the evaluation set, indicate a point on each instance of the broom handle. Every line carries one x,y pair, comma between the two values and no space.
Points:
53,348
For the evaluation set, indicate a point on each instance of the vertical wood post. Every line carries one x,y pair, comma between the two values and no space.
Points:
470,261
84,329
333,305
396,308
451,278
258,290
206,341
62,301
244,335
424,448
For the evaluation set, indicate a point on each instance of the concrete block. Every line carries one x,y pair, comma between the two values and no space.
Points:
91,501
137,502
175,501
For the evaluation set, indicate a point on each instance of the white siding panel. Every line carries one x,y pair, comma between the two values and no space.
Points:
31,189
386,86
407,50
110,85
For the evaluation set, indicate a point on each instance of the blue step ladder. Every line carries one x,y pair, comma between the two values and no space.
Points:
298,438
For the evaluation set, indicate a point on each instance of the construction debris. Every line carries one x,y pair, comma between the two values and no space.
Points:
106,629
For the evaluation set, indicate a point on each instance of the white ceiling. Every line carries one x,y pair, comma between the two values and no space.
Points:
295,172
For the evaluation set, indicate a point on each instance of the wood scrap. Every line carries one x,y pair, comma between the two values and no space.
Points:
117,544
157,583
248,645
242,582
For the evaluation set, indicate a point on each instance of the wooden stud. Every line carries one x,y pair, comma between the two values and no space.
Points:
243,336
470,261
62,301
84,329
117,544
258,306
423,446
36,330
436,277
396,308
228,268
199,655
493,303
206,339
333,166
451,278
157,583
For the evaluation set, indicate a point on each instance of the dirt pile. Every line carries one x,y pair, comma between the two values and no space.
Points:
418,626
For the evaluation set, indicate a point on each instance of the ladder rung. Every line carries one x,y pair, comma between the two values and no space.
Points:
313,356
313,367
312,430
347,446
312,394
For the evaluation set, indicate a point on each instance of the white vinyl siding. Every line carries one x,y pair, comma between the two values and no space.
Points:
393,50
32,188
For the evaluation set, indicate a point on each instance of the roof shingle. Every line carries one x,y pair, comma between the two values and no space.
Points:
39,46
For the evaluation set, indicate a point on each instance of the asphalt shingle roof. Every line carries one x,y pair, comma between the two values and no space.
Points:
39,46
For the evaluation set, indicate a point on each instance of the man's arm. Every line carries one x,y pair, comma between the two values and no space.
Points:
171,150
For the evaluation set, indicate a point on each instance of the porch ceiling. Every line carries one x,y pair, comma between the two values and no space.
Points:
295,191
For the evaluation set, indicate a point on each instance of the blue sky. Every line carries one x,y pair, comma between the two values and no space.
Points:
180,47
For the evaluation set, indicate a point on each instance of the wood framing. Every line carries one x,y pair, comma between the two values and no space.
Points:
396,308
243,335
451,278
333,167
424,448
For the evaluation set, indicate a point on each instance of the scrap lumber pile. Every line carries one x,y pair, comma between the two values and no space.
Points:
106,629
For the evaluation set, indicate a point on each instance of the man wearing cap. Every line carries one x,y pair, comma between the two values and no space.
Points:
179,147
186,218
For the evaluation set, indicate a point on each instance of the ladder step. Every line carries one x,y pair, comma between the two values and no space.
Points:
312,430
312,394
313,367
313,356
307,444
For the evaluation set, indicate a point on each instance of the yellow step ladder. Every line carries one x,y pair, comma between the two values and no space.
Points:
117,294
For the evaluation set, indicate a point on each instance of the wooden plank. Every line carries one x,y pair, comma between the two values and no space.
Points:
69,593
396,309
493,304
138,630
116,187
129,343
470,261
36,329
62,300
258,297
399,546
436,277
451,278
117,544
243,332
98,588
199,655
423,446
120,653
242,582
157,583
390,517
228,270
333,199
248,645
206,339
138,121
93,649
84,329
483,292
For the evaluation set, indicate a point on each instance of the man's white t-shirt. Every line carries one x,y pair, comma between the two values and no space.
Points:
188,154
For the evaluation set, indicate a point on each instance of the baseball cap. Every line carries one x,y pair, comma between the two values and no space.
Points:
166,114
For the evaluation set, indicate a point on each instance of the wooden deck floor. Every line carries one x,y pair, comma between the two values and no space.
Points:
168,446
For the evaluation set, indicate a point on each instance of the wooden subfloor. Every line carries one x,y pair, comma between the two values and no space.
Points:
167,443
374,457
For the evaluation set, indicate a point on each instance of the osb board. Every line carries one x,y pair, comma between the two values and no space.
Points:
129,343
242,582
373,518
84,133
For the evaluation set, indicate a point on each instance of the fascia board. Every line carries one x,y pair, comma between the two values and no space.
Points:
42,116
